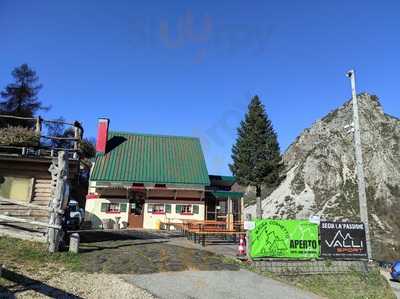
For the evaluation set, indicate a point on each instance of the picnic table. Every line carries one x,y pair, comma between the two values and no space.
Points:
198,231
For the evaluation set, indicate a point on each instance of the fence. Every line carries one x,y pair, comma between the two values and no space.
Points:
42,149
296,267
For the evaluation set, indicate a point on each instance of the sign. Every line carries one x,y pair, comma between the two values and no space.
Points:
343,240
249,225
285,239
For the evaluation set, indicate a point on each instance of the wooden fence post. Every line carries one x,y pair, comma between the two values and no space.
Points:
78,138
38,128
59,172
38,125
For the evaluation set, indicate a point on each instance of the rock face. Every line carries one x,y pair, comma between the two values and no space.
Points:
320,174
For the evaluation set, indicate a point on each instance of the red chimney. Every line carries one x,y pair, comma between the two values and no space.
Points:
102,135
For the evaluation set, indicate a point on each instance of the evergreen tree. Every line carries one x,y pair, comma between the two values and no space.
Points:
20,98
256,154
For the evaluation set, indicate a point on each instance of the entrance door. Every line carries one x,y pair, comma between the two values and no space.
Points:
135,218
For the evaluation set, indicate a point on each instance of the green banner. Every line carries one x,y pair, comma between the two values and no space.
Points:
285,239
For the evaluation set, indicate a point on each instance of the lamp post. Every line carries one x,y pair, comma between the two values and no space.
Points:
359,163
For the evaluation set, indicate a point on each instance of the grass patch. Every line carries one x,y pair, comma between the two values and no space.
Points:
349,285
352,285
15,253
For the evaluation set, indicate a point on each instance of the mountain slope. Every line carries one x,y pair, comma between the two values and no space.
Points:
320,174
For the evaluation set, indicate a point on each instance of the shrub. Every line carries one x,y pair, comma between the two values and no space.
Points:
18,136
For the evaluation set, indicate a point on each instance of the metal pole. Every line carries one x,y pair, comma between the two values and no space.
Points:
259,211
359,163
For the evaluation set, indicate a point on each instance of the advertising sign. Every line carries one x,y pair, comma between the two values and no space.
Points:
285,239
343,240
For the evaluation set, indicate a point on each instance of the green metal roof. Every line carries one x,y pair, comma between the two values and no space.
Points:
140,158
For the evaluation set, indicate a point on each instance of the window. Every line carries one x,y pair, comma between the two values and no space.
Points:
113,207
187,209
156,208
19,189
123,207
222,208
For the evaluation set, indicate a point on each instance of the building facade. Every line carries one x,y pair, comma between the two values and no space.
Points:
140,181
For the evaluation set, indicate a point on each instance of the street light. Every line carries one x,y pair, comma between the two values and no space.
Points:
359,163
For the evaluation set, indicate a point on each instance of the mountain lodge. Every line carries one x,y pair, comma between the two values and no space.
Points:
142,180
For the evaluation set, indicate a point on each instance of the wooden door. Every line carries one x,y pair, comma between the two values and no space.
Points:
135,217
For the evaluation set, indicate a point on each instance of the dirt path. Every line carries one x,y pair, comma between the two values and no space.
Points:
215,285
394,284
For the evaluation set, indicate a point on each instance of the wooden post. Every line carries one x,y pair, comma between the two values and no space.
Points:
229,217
78,138
38,125
38,128
242,209
59,171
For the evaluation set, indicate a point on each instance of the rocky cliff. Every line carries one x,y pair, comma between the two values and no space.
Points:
320,174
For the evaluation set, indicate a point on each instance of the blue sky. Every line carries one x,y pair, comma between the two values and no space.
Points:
190,67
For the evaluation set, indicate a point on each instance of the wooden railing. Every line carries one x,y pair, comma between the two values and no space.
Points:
43,149
29,205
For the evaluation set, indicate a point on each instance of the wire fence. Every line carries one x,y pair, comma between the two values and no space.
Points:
308,267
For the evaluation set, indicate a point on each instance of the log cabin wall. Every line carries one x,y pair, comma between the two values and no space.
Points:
36,169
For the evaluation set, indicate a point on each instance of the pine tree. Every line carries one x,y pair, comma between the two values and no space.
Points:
20,97
256,154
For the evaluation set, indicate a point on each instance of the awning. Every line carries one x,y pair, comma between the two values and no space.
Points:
224,194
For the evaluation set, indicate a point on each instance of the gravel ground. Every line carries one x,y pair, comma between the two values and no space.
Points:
137,252
71,285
